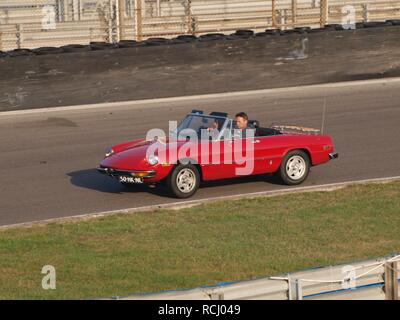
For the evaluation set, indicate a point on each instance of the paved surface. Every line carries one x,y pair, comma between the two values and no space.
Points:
47,159
198,68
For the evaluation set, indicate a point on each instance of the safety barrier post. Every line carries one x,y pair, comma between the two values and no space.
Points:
391,281
295,289
76,10
273,4
19,36
119,15
365,10
110,22
138,19
324,12
284,20
158,8
294,12
191,25
91,32
217,296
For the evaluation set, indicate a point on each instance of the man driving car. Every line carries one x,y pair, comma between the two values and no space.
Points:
242,124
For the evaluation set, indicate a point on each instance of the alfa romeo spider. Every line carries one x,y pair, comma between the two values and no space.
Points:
205,147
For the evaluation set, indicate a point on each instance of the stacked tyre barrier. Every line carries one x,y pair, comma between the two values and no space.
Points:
238,35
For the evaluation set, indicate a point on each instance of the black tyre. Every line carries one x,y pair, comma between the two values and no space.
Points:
235,37
302,29
183,181
212,37
75,48
243,33
129,44
261,34
289,31
359,25
295,167
47,50
374,24
186,38
273,32
19,52
96,46
334,27
316,30
393,22
156,41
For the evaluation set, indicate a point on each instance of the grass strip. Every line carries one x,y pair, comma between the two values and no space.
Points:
204,245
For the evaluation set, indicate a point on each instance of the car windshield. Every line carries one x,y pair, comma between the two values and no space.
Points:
196,123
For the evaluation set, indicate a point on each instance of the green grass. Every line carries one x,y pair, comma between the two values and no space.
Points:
204,245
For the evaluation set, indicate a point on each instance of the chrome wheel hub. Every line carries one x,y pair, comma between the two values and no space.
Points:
186,180
296,167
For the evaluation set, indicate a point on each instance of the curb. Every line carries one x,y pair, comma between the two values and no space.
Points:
192,203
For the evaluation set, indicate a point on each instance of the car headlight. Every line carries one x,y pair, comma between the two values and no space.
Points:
153,160
109,152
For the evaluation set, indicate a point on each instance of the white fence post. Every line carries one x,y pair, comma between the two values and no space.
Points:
295,289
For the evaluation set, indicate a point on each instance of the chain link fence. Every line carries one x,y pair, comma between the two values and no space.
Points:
40,23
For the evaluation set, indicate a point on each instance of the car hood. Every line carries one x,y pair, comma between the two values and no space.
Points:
132,156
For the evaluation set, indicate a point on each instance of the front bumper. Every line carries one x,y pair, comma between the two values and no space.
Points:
333,155
127,173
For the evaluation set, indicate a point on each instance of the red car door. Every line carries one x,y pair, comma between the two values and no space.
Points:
268,151
252,159
216,160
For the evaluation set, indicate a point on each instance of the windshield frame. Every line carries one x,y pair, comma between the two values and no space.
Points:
221,131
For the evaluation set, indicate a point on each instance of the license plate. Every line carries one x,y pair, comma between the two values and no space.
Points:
124,179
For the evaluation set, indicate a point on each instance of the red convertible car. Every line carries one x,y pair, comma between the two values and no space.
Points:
206,147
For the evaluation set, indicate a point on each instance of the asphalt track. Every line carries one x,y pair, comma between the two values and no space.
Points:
48,158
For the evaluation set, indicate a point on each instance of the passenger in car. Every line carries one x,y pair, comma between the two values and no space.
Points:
213,130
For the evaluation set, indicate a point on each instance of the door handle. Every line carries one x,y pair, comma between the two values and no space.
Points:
256,141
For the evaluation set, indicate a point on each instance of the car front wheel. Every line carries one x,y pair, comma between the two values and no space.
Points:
295,167
183,181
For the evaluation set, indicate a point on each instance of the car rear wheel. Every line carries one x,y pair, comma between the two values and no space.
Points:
295,167
183,181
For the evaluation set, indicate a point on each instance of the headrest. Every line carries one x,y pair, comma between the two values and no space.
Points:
255,123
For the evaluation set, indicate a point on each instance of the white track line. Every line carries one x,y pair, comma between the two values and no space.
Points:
192,203
197,97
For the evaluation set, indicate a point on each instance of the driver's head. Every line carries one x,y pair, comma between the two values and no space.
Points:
241,120
214,124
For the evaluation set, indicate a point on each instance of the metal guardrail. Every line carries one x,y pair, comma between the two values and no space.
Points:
373,279
36,23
